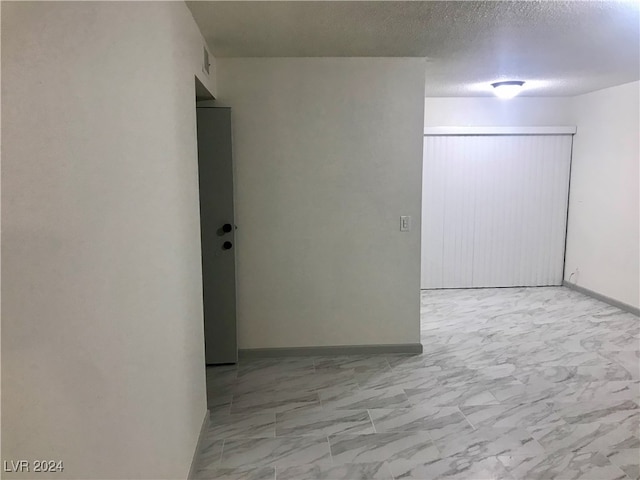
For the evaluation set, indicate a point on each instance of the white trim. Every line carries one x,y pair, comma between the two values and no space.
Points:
434,131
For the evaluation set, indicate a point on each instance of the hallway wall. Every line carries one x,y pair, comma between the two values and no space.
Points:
102,335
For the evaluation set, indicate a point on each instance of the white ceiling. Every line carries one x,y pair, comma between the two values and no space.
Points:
558,47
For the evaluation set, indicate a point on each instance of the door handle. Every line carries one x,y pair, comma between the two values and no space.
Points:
227,227
227,245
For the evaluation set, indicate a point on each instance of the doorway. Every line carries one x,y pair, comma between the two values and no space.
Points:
218,244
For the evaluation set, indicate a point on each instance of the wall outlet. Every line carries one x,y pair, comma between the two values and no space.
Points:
573,278
405,223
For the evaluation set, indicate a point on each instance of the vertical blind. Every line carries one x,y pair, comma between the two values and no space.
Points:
494,210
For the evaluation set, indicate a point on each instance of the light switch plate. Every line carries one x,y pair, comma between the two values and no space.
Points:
405,223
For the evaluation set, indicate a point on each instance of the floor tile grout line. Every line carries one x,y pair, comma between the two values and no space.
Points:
466,418
386,359
231,403
333,460
602,452
440,456
275,424
375,430
389,470
221,453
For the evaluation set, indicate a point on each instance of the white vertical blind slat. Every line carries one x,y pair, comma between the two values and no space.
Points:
494,210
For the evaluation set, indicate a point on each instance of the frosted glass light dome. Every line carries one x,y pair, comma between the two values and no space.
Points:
507,89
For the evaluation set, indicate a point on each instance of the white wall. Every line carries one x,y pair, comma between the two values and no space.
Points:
490,111
328,156
603,239
102,346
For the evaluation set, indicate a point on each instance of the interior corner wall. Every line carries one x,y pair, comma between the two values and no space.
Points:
102,345
603,239
602,252
328,156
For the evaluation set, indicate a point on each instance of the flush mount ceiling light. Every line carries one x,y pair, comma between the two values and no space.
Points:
508,89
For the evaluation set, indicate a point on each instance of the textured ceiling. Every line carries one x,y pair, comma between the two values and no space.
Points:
558,47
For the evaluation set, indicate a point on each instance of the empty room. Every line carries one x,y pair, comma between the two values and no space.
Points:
305,240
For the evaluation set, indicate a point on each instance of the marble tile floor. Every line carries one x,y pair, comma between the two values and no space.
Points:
514,384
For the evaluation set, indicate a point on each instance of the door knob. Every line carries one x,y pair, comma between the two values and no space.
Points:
227,227
227,245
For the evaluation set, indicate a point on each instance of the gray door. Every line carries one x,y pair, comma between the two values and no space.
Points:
215,170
